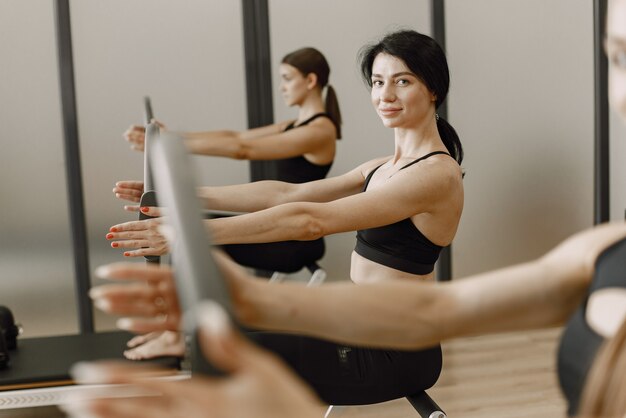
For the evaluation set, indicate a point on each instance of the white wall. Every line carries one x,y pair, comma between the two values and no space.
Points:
522,101
339,29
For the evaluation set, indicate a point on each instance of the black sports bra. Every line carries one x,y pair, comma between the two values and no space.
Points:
580,343
299,169
400,245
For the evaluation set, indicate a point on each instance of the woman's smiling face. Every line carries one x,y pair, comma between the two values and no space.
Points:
400,98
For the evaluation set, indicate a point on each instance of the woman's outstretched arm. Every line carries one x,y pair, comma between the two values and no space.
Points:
432,187
266,143
269,142
259,195
536,294
136,134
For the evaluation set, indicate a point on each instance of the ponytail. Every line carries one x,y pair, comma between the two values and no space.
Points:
332,108
450,139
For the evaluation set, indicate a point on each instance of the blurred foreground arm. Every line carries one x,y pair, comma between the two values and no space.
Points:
258,385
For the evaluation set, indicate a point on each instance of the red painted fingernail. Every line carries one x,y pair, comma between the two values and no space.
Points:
144,209
114,244
126,254
109,236
113,229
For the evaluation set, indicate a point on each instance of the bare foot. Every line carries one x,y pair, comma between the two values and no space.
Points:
167,343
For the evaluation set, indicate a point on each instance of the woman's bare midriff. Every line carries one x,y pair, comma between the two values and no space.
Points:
363,271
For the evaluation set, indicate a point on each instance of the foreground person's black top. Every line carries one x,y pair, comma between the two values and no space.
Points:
580,343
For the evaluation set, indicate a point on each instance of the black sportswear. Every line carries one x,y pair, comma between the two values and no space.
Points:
400,245
299,169
348,375
580,342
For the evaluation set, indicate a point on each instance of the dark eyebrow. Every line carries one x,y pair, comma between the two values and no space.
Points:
397,74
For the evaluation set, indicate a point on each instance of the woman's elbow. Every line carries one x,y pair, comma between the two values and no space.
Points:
435,317
311,228
241,151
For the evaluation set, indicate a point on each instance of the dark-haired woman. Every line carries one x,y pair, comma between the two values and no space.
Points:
303,149
405,208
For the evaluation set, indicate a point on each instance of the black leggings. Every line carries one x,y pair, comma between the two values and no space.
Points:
346,375
282,256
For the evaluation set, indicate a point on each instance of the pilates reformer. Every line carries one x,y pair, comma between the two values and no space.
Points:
198,277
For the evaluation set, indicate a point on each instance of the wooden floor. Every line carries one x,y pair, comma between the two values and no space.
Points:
506,376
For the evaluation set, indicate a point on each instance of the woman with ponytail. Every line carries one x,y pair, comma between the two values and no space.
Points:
304,148
405,208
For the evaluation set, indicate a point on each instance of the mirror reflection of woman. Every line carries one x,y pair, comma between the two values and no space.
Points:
303,149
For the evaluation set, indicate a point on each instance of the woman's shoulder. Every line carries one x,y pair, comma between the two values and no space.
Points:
320,129
320,119
281,126
442,164
370,165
